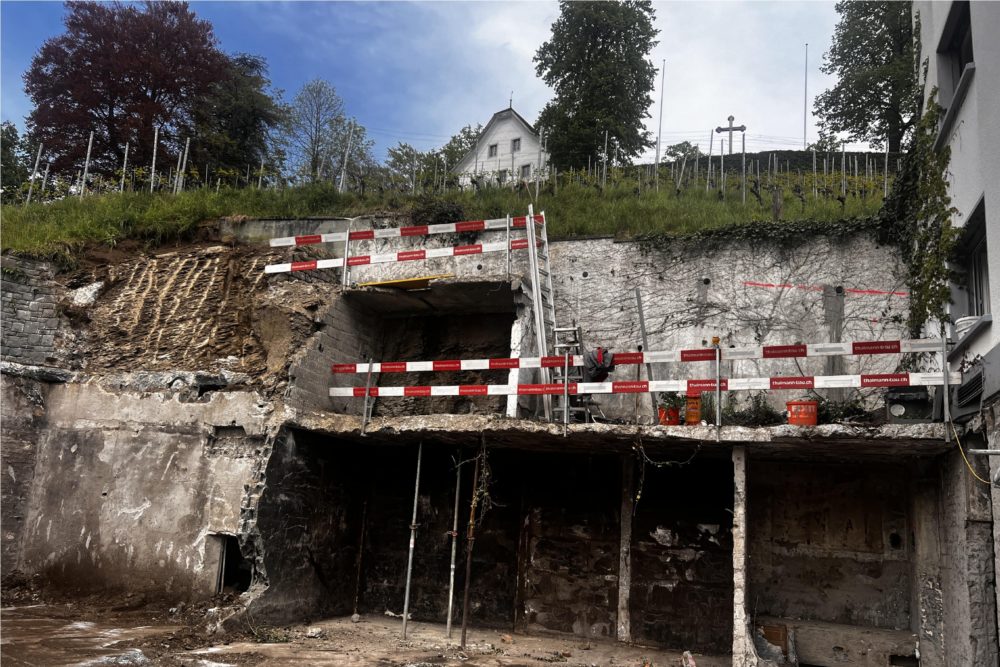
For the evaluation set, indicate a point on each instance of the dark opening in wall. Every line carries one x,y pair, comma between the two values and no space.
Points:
334,523
234,570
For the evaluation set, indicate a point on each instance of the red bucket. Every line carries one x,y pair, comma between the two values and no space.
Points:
802,413
669,416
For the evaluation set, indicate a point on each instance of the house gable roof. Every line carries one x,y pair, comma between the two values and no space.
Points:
509,112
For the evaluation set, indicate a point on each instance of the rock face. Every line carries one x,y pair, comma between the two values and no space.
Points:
167,426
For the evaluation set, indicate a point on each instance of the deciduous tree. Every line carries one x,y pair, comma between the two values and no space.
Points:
120,70
597,63
876,94
14,165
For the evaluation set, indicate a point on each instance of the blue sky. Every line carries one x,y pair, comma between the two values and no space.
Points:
418,71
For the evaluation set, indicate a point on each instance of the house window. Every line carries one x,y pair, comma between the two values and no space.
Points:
525,171
493,150
515,145
955,49
971,257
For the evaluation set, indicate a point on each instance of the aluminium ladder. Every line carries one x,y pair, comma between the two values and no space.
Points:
542,298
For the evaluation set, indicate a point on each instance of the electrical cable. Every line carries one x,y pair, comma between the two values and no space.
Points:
964,457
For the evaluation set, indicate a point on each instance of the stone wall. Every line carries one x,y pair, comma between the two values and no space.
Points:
22,412
29,318
130,486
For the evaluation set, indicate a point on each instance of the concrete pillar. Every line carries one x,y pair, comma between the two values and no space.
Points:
625,553
992,426
744,654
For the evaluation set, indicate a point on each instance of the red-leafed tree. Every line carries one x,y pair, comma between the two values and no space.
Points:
120,70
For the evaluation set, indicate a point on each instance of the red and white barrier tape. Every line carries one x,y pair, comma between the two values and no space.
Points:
404,256
795,382
396,232
626,358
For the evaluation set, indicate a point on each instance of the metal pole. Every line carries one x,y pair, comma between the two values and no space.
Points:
708,166
471,539
152,169
361,551
566,394
177,173
413,540
86,166
507,250
121,188
45,179
743,150
945,388
260,174
718,388
659,130
347,255
184,165
364,406
454,544
885,191
805,97
604,176
645,346
347,154
31,181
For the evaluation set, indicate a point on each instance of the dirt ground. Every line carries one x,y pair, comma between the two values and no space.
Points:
78,633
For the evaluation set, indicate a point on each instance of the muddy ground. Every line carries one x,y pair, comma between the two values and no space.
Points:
129,630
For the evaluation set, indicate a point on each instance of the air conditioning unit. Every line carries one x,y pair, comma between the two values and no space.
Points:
980,385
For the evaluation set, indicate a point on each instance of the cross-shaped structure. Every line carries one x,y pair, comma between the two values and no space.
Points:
730,130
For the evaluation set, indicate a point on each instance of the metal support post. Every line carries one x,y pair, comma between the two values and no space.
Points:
566,394
508,246
152,168
31,181
368,388
718,388
413,540
471,539
944,389
454,544
121,186
86,166
645,346
344,275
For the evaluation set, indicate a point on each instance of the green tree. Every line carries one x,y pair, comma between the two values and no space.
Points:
460,144
597,63
14,165
678,151
235,126
876,95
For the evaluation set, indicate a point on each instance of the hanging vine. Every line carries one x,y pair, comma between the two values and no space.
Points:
917,218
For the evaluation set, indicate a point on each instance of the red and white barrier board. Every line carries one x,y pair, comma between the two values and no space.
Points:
497,224
627,358
404,256
796,382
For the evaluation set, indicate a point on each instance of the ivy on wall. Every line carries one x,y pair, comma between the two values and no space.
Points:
917,218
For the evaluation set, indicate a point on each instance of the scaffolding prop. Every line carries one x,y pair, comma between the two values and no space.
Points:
413,540
471,540
454,545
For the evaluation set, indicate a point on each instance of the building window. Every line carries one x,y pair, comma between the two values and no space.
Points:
515,145
955,49
493,150
525,171
971,258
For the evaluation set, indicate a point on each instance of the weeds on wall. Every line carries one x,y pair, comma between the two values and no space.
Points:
917,217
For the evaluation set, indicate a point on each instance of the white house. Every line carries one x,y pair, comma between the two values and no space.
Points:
509,147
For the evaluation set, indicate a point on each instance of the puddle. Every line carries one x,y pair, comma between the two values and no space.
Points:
41,635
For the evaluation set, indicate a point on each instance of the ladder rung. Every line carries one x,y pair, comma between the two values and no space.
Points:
542,255
562,346
564,329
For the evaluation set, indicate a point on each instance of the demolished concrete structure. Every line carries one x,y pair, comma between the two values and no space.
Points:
177,430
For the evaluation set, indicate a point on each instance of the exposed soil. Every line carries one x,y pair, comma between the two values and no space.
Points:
82,634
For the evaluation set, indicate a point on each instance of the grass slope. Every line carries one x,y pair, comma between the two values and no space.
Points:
576,208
